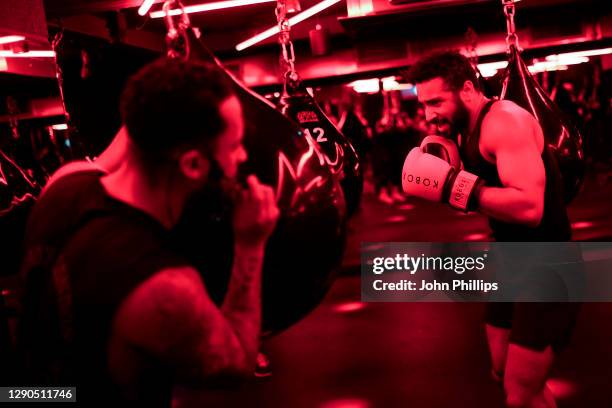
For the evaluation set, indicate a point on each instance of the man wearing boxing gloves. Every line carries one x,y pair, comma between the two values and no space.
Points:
111,304
502,169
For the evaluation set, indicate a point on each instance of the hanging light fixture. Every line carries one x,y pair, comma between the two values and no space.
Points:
7,39
218,5
298,18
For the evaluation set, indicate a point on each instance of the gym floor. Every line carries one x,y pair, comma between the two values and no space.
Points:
349,354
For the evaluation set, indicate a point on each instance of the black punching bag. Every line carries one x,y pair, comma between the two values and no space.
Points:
305,250
297,104
17,195
563,138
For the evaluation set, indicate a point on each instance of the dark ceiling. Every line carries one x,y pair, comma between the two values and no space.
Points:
225,28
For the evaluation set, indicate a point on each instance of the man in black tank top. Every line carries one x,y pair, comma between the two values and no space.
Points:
110,305
511,176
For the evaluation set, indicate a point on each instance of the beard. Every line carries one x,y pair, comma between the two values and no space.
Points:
458,123
215,199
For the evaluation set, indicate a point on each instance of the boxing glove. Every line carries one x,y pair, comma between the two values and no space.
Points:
432,178
443,148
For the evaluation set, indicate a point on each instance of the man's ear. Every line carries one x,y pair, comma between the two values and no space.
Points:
467,91
194,165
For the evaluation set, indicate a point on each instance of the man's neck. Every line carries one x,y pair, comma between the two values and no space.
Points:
129,185
475,110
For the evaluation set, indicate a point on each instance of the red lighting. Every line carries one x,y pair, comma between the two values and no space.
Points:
561,389
11,39
475,237
346,403
29,54
396,218
317,8
582,225
406,207
349,307
145,7
199,8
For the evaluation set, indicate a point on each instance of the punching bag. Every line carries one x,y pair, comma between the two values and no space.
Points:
562,137
17,195
305,250
297,104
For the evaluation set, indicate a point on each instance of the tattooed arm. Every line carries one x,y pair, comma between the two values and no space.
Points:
172,317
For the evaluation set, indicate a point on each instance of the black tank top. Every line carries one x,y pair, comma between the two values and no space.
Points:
555,224
85,252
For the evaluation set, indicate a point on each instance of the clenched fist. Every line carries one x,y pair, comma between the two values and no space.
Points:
255,214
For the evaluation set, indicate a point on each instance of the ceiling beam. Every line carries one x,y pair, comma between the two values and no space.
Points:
61,8
96,27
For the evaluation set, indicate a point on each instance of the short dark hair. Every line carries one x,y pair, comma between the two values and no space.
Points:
451,66
171,104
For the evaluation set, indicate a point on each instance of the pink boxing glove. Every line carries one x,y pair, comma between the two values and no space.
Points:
432,178
443,148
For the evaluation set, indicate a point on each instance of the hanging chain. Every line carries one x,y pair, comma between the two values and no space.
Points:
471,42
176,37
287,58
59,74
13,111
509,12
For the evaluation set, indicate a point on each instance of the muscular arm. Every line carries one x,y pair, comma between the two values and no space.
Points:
511,141
172,317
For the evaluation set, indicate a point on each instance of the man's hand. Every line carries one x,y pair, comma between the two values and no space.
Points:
432,178
255,214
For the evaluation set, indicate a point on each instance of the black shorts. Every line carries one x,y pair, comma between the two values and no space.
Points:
535,325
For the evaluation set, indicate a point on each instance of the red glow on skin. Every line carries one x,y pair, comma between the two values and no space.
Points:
406,207
349,307
5,292
561,388
346,403
582,225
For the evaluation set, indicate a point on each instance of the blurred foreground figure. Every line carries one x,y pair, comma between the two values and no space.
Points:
111,304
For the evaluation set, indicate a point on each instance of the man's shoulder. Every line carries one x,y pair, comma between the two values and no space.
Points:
508,126
505,119
109,255
60,204
505,111
72,174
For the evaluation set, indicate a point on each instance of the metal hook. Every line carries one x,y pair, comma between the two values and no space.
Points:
176,38
509,12
284,38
